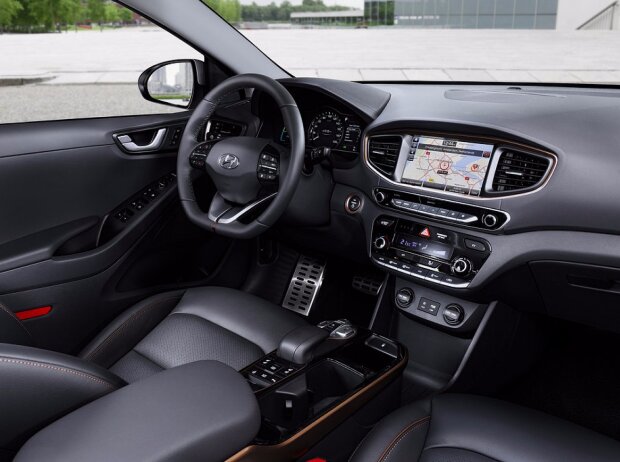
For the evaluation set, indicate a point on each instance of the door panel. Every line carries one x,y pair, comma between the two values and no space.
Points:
89,227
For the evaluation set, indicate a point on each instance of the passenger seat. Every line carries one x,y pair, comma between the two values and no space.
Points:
463,428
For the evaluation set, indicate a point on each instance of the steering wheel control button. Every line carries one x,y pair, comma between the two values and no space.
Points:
353,204
268,167
198,160
429,306
453,314
475,245
404,298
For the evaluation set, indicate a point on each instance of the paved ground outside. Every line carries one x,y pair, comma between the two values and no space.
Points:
92,73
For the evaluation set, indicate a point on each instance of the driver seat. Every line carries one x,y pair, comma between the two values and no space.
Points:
161,332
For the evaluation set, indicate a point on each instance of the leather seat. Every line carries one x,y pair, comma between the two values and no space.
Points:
161,332
176,328
475,429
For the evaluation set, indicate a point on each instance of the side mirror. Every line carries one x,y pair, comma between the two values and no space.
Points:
174,83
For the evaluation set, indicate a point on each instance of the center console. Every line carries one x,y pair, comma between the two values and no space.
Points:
427,252
301,403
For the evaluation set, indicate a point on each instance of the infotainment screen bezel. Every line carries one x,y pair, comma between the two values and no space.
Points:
405,152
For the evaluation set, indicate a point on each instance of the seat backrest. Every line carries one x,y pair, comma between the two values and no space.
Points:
39,386
12,330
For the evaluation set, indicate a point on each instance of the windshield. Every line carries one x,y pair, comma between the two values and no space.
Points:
515,41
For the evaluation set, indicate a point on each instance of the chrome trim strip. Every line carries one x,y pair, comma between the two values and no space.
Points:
423,278
439,217
500,144
243,211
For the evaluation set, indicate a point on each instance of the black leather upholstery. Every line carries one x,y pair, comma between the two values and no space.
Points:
12,330
205,323
38,386
161,332
475,429
203,411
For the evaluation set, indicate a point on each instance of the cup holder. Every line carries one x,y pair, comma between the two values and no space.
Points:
291,405
328,381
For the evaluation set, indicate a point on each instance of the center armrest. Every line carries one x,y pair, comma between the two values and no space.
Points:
203,411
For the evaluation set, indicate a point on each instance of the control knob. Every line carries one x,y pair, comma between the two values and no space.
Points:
380,197
381,243
489,220
461,266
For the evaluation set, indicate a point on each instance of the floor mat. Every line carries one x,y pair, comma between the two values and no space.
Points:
577,378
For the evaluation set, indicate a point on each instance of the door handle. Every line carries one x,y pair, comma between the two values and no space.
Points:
154,145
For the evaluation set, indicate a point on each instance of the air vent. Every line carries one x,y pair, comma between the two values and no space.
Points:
518,171
383,153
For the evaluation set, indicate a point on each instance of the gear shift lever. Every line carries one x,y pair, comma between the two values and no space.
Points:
298,346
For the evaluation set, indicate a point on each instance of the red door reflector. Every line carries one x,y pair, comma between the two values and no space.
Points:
33,313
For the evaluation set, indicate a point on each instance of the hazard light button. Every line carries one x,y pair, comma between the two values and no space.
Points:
425,233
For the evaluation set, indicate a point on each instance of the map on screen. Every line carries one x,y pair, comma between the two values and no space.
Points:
449,165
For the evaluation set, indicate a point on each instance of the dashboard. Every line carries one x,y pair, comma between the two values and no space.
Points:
327,123
491,192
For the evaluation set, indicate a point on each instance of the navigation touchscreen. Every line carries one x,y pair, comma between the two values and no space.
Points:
449,165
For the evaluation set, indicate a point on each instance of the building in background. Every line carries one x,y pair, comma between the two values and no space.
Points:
326,18
495,14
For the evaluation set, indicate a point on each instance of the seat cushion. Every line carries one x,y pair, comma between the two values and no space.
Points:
475,429
209,323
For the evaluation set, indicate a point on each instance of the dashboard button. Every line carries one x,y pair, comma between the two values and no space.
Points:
415,207
420,272
404,255
397,202
453,280
437,277
406,267
429,306
453,214
386,222
429,263
404,297
443,212
433,210
475,245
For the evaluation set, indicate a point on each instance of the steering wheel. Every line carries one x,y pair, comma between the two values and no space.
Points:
255,178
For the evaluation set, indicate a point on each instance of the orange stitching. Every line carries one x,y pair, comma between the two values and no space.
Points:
57,368
388,450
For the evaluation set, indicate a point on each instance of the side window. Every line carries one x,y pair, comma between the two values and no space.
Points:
67,59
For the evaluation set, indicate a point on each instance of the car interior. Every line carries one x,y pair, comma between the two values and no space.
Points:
273,274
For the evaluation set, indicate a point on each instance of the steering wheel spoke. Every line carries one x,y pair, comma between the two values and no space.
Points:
198,157
222,212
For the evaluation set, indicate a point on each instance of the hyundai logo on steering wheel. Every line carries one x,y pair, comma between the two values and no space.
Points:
228,161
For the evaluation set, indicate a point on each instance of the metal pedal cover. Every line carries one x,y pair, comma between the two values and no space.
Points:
304,285
367,285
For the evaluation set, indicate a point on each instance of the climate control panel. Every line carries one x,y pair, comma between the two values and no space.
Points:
427,252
